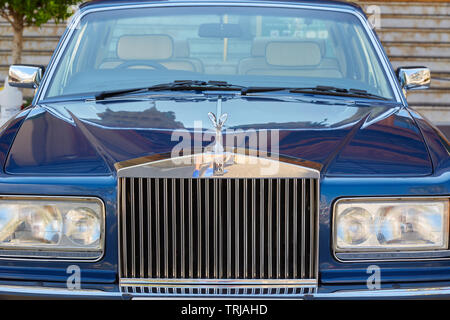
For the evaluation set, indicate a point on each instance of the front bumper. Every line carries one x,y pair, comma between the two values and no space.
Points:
28,292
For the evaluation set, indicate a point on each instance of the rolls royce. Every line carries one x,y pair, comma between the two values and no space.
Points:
222,148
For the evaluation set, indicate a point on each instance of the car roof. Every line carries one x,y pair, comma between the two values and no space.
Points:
328,3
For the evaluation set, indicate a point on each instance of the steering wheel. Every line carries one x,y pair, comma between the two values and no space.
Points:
149,63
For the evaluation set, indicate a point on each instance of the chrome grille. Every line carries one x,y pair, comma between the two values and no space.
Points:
218,228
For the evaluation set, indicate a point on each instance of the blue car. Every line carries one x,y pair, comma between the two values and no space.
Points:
254,149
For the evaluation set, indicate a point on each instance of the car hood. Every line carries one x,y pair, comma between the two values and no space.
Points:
343,137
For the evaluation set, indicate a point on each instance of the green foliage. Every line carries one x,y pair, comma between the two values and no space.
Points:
36,12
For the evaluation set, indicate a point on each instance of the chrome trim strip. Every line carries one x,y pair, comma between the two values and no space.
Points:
278,227
245,228
57,292
362,294
269,228
253,196
199,227
174,228
191,231
402,254
262,216
220,282
183,225
124,254
158,227
166,230
384,293
295,230
229,251
286,229
149,230
76,19
237,244
207,262
303,262
133,231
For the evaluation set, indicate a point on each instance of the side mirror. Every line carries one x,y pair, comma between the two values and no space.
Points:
414,78
25,76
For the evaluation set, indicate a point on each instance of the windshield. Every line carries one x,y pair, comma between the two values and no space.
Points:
245,46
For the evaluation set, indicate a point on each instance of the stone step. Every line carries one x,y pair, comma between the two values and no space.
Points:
406,8
414,35
40,43
440,116
430,97
436,64
46,29
414,21
440,83
417,49
28,57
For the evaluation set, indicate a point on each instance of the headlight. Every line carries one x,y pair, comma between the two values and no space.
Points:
51,227
368,225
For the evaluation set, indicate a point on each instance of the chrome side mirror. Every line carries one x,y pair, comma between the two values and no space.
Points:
414,78
25,76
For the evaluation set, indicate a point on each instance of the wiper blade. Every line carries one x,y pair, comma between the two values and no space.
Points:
178,85
262,89
334,91
324,90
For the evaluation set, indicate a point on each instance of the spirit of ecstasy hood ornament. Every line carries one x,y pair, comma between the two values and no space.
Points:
218,123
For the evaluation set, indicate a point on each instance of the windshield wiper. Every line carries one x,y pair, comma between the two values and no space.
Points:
178,85
322,90
198,85
334,91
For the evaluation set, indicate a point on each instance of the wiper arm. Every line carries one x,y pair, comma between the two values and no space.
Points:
334,91
324,90
178,85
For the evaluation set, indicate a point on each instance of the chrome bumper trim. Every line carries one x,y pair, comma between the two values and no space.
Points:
98,294
57,292
180,283
385,293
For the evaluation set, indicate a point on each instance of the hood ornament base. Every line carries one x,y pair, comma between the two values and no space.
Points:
218,123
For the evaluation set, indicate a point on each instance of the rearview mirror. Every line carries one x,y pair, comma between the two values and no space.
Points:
414,78
220,30
25,76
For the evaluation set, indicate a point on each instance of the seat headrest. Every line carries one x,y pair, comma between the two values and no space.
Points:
293,54
145,47
182,49
259,45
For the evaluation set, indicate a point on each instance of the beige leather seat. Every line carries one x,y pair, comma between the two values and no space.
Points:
183,52
289,57
158,48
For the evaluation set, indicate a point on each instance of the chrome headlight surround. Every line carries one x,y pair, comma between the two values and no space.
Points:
55,244
400,253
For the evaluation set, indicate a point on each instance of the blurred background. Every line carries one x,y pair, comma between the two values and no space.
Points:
414,33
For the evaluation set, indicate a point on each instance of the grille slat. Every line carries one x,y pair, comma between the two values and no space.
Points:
182,226
174,228
157,230
218,228
133,231
141,229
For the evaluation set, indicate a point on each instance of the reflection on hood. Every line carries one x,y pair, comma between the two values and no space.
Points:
148,118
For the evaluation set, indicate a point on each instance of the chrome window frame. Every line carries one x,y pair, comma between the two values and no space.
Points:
402,256
399,97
